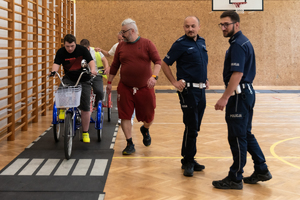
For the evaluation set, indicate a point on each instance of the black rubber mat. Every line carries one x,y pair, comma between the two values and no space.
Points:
50,195
41,171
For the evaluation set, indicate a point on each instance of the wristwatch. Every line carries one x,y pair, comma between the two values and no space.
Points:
155,77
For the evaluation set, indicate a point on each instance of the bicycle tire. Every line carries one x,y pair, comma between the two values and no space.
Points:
56,124
108,114
56,131
68,139
99,134
99,121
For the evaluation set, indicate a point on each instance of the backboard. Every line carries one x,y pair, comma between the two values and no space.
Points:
251,5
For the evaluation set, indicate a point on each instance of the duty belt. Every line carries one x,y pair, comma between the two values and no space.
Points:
241,86
196,85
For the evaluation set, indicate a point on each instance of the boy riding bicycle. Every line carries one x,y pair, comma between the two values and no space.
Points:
70,57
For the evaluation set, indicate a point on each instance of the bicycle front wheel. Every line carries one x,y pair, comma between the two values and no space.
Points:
108,114
68,140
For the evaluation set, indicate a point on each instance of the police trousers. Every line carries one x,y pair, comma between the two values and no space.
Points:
193,103
239,113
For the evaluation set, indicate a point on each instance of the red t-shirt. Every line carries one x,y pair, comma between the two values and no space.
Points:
135,59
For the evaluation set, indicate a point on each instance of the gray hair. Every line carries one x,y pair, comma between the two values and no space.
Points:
131,23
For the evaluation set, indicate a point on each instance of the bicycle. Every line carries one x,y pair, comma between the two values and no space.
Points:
106,103
68,98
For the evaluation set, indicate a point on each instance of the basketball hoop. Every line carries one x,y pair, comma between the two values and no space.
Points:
238,7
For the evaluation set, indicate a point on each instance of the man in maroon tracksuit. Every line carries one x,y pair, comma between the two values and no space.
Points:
136,86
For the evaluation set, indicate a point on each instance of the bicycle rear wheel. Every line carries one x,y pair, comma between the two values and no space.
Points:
109,106
99,134
56,124
99,121
68,140
56,131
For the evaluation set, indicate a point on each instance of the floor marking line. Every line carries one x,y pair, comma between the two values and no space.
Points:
82,167
64,167
272,149
99,167
30,145
31,167
15,166
48,167
112,145
101,196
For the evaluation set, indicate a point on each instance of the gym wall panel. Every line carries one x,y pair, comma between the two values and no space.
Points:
273,32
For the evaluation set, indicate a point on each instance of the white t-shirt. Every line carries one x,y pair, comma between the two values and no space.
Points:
113,49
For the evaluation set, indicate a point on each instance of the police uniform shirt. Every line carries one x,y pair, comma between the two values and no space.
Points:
240,57
191,59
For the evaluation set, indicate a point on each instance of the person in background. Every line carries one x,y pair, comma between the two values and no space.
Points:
102,66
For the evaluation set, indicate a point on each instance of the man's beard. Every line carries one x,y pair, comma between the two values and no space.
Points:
230,34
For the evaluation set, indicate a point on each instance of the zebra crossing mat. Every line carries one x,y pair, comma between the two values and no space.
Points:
42,172
51,195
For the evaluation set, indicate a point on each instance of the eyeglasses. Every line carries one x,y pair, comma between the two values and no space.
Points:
123,32
225,25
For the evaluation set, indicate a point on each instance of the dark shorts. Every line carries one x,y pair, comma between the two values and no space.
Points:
85,93
143,101
98,88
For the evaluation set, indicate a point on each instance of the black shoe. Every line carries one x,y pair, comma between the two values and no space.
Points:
189,169
129,149
146,135
255,177
197,166
227,183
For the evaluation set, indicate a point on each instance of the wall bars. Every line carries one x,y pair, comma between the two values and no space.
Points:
31,31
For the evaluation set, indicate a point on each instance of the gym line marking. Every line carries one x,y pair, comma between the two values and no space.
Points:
272,149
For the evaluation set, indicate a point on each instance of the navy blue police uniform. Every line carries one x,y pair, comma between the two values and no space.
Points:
191,64
240,57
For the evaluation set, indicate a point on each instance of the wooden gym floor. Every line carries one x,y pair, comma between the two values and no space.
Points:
154,172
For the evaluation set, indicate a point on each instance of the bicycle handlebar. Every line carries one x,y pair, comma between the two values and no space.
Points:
85,69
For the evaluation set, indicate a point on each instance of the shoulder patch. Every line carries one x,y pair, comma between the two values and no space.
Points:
181,38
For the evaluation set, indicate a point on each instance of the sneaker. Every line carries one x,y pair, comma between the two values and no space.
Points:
255,177
86,137
189,169
119,121
197,166
146,135
61,114
129,149
227,183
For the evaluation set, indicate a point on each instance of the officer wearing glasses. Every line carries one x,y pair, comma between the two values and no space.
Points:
190,54
239,99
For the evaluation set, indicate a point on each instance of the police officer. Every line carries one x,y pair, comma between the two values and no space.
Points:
239,98
190,54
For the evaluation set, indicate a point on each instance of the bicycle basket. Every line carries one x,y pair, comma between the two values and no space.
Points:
66,97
